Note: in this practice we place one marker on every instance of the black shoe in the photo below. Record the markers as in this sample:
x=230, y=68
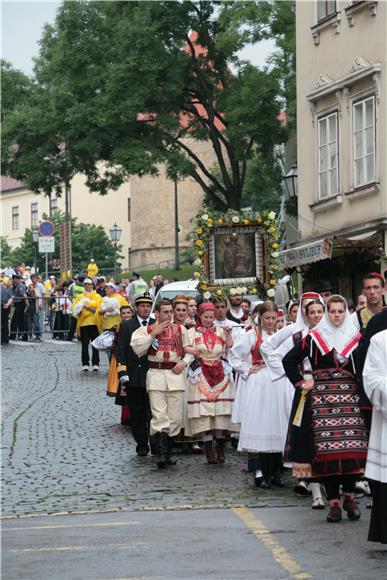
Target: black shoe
x=266, y=483
x=258, y=481
x=142, y=450
x=334, y=515
x=278, y=480
x=352, y=509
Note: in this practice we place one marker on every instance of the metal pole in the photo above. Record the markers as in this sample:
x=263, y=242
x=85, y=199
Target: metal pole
x=115, y=261
x=35, y=266
x=46, y=265
x=177, y=260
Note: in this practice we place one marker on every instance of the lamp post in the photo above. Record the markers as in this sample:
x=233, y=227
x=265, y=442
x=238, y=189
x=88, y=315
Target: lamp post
x=291, y=182
x=115, y=235
x=35, y=239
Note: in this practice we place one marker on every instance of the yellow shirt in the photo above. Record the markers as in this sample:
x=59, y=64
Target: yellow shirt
x=85, y=317
x=92, y=270
x=109, y=321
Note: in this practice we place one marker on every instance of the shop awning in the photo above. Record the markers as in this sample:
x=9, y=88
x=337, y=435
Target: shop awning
x=307, y=253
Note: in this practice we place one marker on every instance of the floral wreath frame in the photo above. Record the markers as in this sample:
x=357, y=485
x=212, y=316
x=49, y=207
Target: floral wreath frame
x=207, y=222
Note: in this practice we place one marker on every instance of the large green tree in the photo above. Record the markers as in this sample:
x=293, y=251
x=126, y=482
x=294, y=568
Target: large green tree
x=121, y=87
x=88, y=241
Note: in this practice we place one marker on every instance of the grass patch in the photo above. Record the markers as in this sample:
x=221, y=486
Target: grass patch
x=184, y=273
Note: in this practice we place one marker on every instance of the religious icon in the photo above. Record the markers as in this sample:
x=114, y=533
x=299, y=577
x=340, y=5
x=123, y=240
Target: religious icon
x=236, y=255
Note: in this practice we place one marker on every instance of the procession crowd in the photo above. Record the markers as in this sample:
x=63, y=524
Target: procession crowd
x=304, y=389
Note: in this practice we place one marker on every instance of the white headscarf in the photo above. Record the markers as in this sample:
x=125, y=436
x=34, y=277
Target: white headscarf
x=344, y=338
x=301, y=323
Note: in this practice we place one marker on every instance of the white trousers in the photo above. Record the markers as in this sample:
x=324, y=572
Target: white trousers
x=167, y=412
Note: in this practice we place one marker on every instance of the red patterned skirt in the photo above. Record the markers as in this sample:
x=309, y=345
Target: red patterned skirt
x=339, y=427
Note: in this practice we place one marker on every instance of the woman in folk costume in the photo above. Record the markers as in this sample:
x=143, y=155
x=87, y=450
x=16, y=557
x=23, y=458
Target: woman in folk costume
x=273, y=351
x=211, y=390
x=264, y=406
x=338, y=427
x=375, y=386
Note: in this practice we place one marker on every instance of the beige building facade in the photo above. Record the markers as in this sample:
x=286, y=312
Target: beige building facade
x=144, y=208
x=341, y=140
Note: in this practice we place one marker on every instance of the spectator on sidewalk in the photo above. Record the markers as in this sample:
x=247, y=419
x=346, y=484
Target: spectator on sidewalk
x=92, y=269
x=18, y=318
x=6, y=301
x=32, y=315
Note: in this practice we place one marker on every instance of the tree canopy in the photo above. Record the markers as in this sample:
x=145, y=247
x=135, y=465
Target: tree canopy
x=121, y=87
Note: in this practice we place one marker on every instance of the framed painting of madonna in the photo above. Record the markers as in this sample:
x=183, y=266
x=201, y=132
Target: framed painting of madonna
x=237, y=255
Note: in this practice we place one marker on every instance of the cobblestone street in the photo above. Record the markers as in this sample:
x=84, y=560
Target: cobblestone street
x=65, y=450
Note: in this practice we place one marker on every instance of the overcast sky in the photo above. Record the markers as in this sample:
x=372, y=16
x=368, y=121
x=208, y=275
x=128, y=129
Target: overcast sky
x=22, y=25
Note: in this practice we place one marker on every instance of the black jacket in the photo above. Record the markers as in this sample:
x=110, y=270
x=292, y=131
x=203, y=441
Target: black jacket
x=136, y=366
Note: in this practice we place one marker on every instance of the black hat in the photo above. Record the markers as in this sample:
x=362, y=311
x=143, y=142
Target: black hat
x=323, y=286
x=143, y=299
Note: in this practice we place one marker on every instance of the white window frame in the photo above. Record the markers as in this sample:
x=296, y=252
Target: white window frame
x=328, y=14
x=53, y=205
x=34, y=214
x=325, y=118
x=356, y=102
x=15, y=218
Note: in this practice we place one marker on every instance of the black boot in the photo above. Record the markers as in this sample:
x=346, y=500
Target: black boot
x=220, y=453
x=265, y=461
x=277, y=478
x=163, y=450
x=170, y=461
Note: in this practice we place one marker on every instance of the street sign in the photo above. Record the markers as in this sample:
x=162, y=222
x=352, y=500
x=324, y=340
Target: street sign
x=65, y=250
x=46, y=245
x=46, y=228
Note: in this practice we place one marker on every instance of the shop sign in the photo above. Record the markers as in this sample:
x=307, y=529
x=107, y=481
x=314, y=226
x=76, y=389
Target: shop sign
x=307, y=254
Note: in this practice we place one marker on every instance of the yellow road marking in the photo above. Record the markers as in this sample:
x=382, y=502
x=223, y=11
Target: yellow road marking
x=58, y=526
x=76, y=548
x=280, y=555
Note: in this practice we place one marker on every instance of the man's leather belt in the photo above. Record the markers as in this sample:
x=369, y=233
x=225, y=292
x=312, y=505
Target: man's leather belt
x=165, y=366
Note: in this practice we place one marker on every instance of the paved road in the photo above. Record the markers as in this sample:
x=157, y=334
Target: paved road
x=64, y=452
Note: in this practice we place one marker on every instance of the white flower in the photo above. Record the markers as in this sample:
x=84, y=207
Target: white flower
x=271, y=293
x=238, y=290
x=244, y=290
x=275, y=254
x=198, y=262
x=235, y=219
x=271, y=215
x=233, y=292
x=207, y=295
x=205, y=217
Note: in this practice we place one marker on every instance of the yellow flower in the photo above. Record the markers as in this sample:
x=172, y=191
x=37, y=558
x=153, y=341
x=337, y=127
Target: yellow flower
x=259, y=220
x=246, y=222
x=272, y=282
x=196, y=274
x=200, y=253
x=272, y=230
x=220, y=222
x=199, y=231
x=275, y=246
x=203, y=287
x=210, y=221
x=199, y=243
x=219, y=292
x=253, y=291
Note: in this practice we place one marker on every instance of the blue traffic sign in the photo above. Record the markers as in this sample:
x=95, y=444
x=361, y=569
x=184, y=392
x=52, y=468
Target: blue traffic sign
x=46, y=228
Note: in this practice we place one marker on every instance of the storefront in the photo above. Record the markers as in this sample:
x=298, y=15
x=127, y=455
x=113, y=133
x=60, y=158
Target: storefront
x=339, y=261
